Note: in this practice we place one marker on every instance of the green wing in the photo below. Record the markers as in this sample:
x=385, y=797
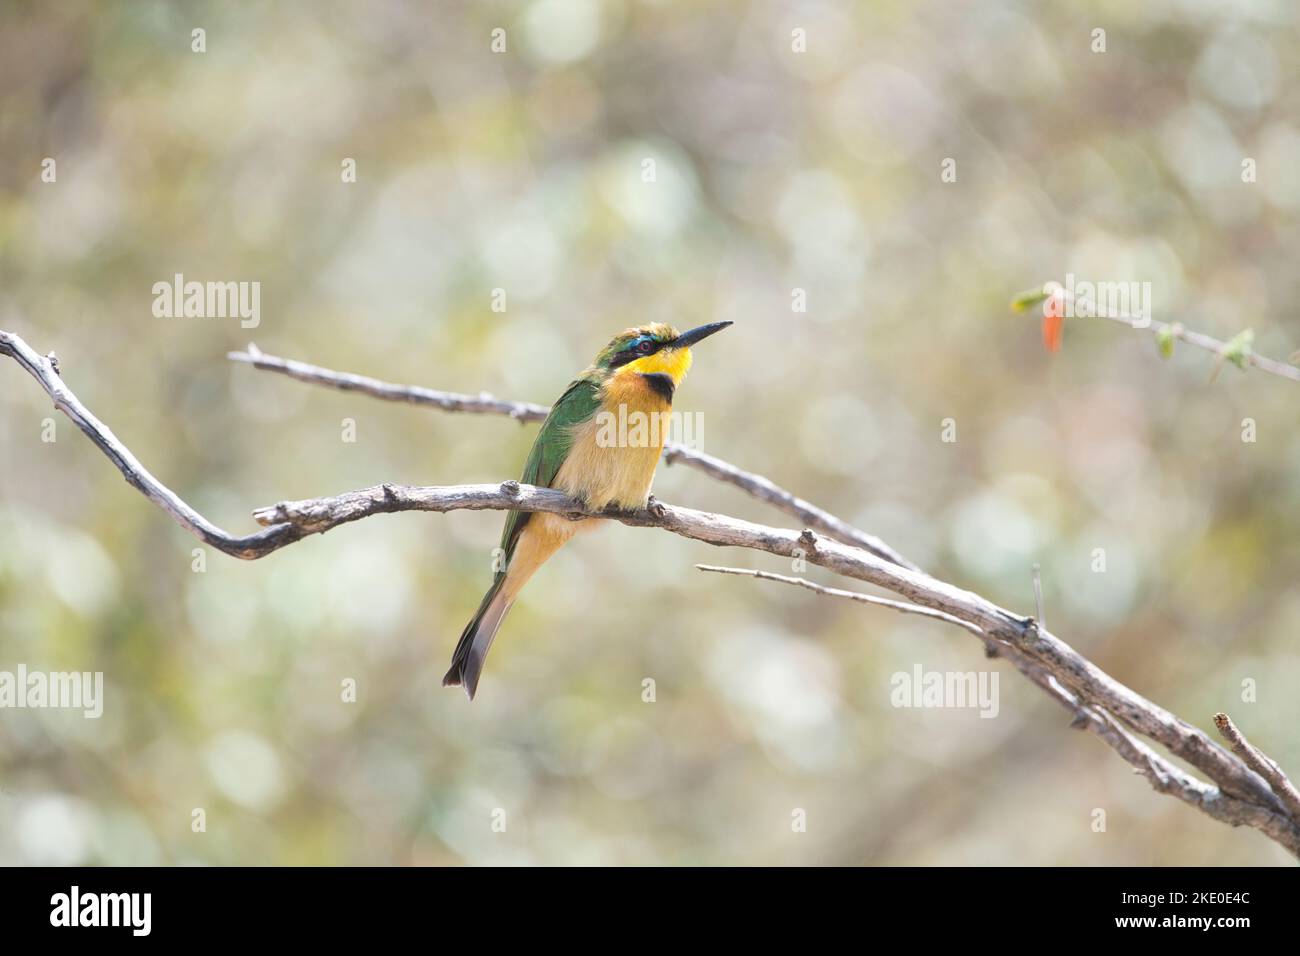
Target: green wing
x=578, y=403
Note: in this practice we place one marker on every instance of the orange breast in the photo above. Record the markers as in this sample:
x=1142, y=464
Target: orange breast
x=613, y=457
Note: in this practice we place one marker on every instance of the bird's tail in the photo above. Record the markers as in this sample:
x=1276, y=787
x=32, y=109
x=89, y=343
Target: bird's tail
x=472, y=648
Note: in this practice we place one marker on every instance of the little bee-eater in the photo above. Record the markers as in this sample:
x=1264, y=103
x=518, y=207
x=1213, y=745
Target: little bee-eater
x=637, y=374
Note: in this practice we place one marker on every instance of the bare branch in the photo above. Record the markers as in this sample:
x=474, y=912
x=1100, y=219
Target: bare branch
x=1241, y=795
x=1076, y=672
x=1261, y=763
x=45, y=370
x=1164, y=776
x=485, y=404
x=1167, y=778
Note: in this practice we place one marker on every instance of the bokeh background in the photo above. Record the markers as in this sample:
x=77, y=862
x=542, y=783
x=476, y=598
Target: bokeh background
x=775, y=170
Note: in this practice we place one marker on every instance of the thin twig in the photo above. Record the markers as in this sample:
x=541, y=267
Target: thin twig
x=1038, y=595
x=1168, y=331
x=481, y=404
x=1261, y=763
x=485, y=404
x=1209, y=344
x=850, y=595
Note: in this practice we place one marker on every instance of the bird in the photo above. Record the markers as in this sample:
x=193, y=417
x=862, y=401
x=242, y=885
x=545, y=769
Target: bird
x=581, y=451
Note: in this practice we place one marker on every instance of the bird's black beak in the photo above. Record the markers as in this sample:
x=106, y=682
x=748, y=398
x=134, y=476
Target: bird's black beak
x=687, y=339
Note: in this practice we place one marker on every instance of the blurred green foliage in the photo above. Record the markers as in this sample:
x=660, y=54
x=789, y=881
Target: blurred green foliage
x=775, y=171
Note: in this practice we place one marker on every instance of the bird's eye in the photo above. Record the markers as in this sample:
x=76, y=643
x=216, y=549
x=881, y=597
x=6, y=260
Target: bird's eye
x=645, y=347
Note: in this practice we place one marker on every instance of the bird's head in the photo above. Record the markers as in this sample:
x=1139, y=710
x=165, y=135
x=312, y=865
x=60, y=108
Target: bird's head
x=655, y=349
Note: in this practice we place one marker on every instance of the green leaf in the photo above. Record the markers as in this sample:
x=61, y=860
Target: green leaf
x=1238, y=349
x=1029, y=298
x=1165, y=341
